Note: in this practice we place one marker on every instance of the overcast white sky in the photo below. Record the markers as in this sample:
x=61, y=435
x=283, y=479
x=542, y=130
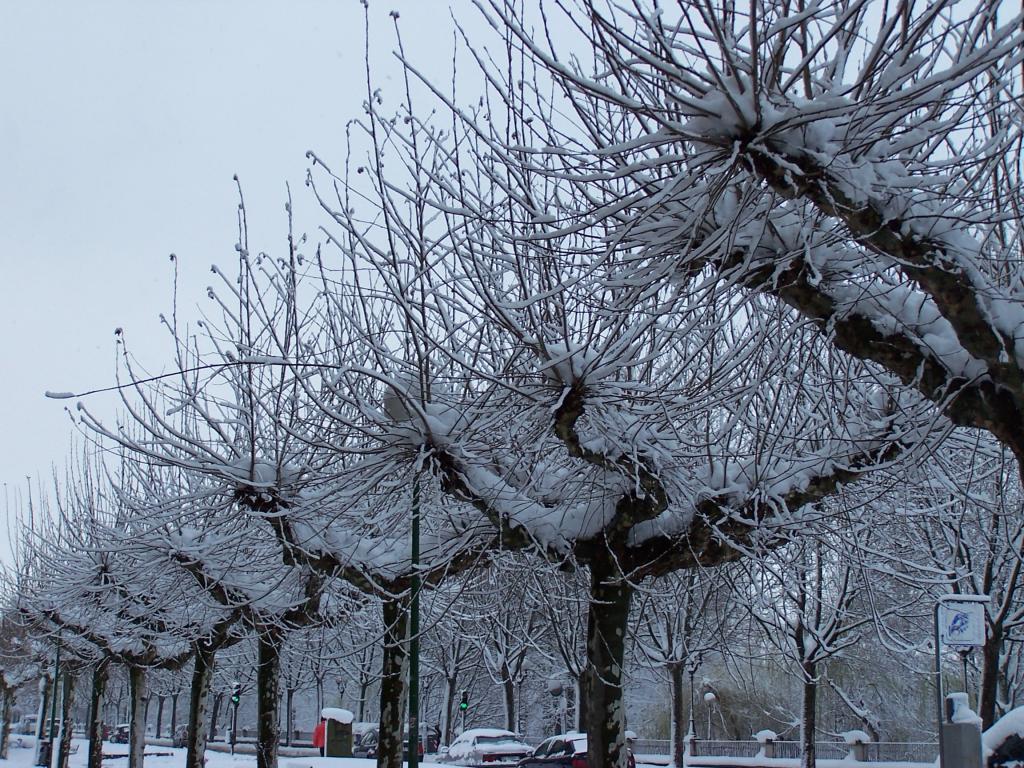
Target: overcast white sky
x=121, y=126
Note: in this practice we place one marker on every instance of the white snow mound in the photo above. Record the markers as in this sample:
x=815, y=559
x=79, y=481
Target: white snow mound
x=337, y=714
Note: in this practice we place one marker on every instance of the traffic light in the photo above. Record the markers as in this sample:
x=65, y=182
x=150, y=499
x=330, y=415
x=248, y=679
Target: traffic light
x=236, y=690
x=464, y=704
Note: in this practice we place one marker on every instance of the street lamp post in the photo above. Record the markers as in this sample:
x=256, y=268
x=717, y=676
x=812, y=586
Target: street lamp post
x=692, y=668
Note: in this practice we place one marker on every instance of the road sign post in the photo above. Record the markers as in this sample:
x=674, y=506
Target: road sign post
x=959, y=624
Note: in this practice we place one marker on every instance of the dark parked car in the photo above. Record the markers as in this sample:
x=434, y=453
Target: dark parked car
x=567, y=750
x=119, y=734
x=366, y=746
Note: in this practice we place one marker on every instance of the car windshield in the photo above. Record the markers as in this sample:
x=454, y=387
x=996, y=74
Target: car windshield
x=504, y=739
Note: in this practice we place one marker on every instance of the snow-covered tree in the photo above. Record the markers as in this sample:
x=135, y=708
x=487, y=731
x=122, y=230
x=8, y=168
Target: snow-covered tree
x=858, y=162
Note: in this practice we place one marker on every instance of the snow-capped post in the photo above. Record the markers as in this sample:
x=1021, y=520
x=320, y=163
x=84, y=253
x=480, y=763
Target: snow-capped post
x=857, y=741
x=959, y=623
x=766, y=739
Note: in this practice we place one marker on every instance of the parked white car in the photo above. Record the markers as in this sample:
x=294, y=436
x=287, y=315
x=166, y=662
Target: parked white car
x=481, y=746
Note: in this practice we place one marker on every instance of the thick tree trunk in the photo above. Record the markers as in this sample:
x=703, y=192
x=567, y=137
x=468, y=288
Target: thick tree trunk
x=214, y=711
x=364, y=687
x=990, y=653
x=579, y=702
x=41, y=715
x=100, y=675
x=174, y=714
x=199, y=695
x=289, y=698
x=392, y=683
x=5, y=720
x=268, y=672
x=510, y=700
x=66, y=726
x=137, y=718
x=678, y=724
x=450, y=684
x=160, y=716
x=808, y=716
x=607, y=622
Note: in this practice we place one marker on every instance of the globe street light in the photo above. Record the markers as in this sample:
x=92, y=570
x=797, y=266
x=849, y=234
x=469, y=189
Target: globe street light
x=709, y=699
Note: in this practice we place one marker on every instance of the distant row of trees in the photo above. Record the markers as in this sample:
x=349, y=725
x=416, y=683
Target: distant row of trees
x=731, y=293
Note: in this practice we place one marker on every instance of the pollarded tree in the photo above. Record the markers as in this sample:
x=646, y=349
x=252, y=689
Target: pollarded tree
x=859, y=162
x=108, y=607
x=634, y=432
x=18, y=666
x=220, y=442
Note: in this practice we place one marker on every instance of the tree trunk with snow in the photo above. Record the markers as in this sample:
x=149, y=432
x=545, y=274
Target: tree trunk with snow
x=364, y=688
x=160, y=716
x=100, y=675
x=199, y=695
x=66, y=726
x=214, y=711
x=174, y=713
x=607, y=622
x=450, y=684
x=392, y=683
x=808, y=715
x=289, y=698
x=268, y=672
x=5, y=720
x=990, y=657
x=41, y=713
x=137, y=719
x=678, y=719
x=509, y=689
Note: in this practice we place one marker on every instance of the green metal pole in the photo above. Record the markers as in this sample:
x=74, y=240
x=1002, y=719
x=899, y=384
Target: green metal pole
x=414, y=632
x=938, y=689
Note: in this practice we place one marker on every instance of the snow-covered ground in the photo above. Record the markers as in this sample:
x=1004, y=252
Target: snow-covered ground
x=169, y=757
